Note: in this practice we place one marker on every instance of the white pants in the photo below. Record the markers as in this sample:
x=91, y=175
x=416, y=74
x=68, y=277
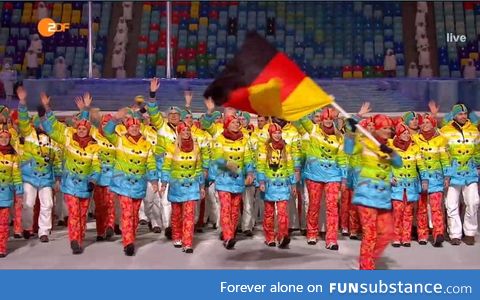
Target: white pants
x=248, y=216
x=470, y=222
x=61, y=209
x=152, y=209
x=295, y=221
x=212, y=206
x=141, y=212
x=46, y=204
x=258, y=206
x=165, y=209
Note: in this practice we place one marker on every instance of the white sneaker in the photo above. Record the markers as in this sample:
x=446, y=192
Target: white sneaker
x=177, y=244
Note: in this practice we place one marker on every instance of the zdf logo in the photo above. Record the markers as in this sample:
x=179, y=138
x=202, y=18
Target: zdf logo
x=47, y=27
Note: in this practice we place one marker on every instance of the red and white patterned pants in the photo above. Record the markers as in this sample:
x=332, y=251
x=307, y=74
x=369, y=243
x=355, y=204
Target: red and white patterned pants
x=4, y=230
x=377, y=228
x=403, y=219
x=104, y=208
x=183, y=222
x=438, y=219
x=130, y=219
x=315, y=193
x=269, y=220
x=230, y=204
x=77, y=217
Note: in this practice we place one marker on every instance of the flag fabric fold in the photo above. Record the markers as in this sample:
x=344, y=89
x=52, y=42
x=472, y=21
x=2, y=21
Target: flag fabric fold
x=264, y=81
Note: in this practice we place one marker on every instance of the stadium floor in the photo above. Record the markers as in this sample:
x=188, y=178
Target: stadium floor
x=155, y=252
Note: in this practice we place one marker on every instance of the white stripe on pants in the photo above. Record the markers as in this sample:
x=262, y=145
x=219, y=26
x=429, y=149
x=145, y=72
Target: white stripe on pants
x=248, y=216
x=46, y=204
x=152, y=209
x=470, y=222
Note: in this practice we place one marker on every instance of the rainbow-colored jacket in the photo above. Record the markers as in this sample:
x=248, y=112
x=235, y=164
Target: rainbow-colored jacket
x=238, y=152
x=463, y=147
x=134, y=163
x=106, y=155
x=325, y=158
x=435, y=159
x=10, y=178
x=374, y=180
x=407, y=176
x=80, y=165
x=40, y=159
x=278, y=180
x=183, y=172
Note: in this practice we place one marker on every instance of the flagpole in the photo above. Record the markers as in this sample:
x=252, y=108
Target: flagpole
x=362, y=130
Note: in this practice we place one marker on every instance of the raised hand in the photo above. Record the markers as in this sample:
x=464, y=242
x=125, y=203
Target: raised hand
x=80, y=103
x=45, y=100
x=22, y=95
x=210, y=105
x=87, y=99
x=154, y=84
x=434, y=107
x=364, y=109
x=121, y=113
x=188, y=98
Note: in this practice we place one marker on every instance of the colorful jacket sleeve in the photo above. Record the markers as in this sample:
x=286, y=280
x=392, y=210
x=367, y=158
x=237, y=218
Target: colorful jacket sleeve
x=218, y=156
x=24, y=125
x=419, y=161
x=342, y=160
x=55, y=129
x=307, y=124
x=155, y=115
x=248, y=160
x=152, y=174
x=199, y=171
x=167, y=166
x=208, y=123
x=96, y=169
x=261, y=162
x=17, y=176
x=57, y=161
x=110, y=134
x=296, y=151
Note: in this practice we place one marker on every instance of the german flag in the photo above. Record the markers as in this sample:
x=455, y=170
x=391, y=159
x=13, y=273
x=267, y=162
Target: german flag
x=264, y=81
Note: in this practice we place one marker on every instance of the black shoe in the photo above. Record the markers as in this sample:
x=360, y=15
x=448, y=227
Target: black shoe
x=345, y=233
x=284, y=243
x=239, y=230
x=422, y=242
x=109, y=233
x=26, y=234
x=168, y=233
x=143, y=222
x=214, y=226
x=60, y=223
x=396, y=244
x=332, y=246
x=229, y=244
x=220, y=236
x=117, y=230
x=303, y=232
x=157, y=229
x=312, y=242
x=76, y=249
x=17, y=236
x=354, y=237
x=91, y=215
x=414, y=233
x=129, y=250
x=248, y=233
x=406, y=245
x=2, y=255
x=100, y=238
x=455, y=242
x=188, y=250
x=270, y=244
x=437, y=243
x=44, y=239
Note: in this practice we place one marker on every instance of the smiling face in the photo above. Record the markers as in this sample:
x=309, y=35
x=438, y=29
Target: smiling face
x=234, y=126
x=384, y=132
x=186, y=133
x=174, y=118
x=461, y=118
x=276, y=136
x=317, y=118
x=327, y=122
x=261, y=121
x=4, y=139
x=427, y=125
x=405, y=136
x=134, y=130
x=413, y=124
x=82, y=131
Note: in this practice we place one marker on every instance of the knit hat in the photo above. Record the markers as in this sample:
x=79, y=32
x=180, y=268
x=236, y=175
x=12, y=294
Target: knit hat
x=184, y=113
x=229, y=120
x=327, y=113
x=84, y=123
x=458, y=108
x=409, y=116
x=364, y=122
x=431, y=118
x=381, y=121
x=274, y=128
x=131, y=121
x=181, y=126
x=400, y=128
x=174, y=110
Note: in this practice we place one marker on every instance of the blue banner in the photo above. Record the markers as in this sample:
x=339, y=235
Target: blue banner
x=240, y=284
